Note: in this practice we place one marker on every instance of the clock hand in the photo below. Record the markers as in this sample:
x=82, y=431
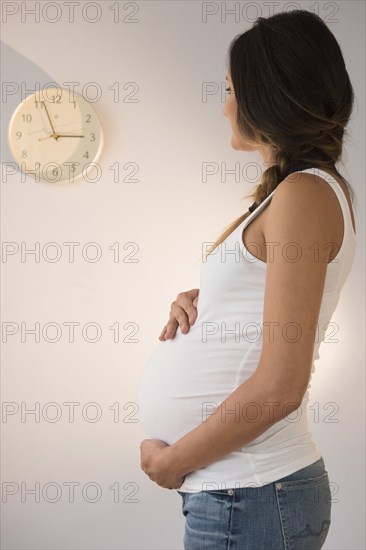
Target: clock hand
x=53, y=130
x=51, y=135
x=68, y=135
x=59, y=135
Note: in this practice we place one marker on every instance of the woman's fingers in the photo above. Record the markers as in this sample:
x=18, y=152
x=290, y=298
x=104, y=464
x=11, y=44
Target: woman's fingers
x=177, y=318
x=169, y=330
x=185, y=301
x=183, y=313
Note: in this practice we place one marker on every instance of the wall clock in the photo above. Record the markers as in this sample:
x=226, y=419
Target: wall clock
x=54, y=134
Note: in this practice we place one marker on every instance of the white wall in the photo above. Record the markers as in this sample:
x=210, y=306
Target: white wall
x=169, y=52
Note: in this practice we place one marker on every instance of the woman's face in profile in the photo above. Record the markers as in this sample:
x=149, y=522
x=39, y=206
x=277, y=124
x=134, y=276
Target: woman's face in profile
x=237, y=139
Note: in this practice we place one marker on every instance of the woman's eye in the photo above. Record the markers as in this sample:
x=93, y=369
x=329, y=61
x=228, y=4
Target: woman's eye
x=228, y=89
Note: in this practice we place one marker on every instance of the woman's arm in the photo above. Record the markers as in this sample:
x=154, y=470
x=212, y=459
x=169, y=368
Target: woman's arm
x=300, y=235
x=248, y=412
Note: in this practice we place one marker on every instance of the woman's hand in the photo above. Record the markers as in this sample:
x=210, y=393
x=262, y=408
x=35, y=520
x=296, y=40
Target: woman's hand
x=157, y=464
x=183, y=312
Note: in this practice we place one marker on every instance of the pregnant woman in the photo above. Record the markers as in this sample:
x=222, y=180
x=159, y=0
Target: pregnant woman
x=224, y=403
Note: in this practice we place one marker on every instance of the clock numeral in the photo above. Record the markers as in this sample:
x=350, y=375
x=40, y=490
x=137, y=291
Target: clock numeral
x=38, y=103
x=24, y=154
x=92, y=138
x=19, y=134
x=86, y=155
x=56, y=99
x=88, y=119
x=55, y=171
x=73, y=167
x=27, y=118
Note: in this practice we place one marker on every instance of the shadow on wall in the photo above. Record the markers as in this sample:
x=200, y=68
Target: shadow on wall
x=20, y=78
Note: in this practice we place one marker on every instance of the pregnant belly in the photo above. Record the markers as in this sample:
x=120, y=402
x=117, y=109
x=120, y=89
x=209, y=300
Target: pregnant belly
x=183, y=382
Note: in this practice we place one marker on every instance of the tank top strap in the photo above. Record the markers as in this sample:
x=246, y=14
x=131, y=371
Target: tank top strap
x=255, y=211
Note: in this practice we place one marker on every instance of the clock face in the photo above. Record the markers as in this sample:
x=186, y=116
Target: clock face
x=54, y=135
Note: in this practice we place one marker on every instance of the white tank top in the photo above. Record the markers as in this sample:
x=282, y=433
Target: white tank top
x=187, y=377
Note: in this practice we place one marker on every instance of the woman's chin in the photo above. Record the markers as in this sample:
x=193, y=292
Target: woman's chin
x=239, y=145
x=234, y=143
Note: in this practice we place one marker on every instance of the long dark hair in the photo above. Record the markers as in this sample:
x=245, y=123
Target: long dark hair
x=293, y=94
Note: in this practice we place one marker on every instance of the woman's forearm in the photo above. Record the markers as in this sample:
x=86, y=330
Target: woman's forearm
x=248, y=412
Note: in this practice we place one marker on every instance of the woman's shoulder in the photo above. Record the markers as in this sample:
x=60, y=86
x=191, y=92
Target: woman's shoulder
x=304, y=205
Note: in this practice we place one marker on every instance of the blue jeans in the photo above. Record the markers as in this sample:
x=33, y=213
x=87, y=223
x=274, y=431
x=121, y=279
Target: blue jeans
x=292, y=513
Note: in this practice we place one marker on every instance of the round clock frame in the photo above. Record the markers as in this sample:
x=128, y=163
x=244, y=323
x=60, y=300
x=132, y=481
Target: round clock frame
x=55, y=136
